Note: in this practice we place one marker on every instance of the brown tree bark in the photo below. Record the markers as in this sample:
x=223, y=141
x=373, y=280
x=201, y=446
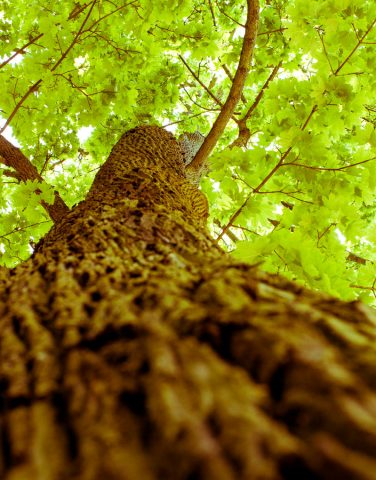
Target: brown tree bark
x=132, y=347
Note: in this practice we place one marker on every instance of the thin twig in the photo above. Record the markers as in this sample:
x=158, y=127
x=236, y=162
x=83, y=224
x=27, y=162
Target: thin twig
x=20, y=229
x=360, y=41
x=109, y=14
x=321, y=235
x=36, y=85
x=325, y=51
x=193, y=37
x=366, y=288
x=247, y=230
x=228, y=16
x=338, y=169
x=212, y=13
x=119, y=50
x=271, y=192
x=261, y=92
x=272, y=31
x=20, y=50
x=184, y=119
x=308, y=119
x=352, y=73
x=32, y=89
x=198, y=105
x=198, y=80
x=77, y=10
x=74, y=41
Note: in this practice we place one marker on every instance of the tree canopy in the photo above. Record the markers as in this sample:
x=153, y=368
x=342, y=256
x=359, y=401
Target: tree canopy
x=292, y=178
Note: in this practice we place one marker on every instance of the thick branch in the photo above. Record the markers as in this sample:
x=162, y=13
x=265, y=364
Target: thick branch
x=236, y=88
x=12, y=156
x=24, y=170
x=230, y=76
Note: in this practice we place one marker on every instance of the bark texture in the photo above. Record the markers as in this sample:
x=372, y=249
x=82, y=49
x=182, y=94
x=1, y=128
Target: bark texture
x=132, y=347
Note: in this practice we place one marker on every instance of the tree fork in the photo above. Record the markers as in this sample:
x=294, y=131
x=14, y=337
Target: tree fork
x=133, y=347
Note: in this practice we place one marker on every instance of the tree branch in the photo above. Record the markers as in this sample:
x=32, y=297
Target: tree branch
x=198, y=105
x=21, y=50
x=244, y=131
x=212, y=13
x=279, y=164
x=32, y=89
x=261, y=92
x=20, y=229
x=322, y=234
x=321, y=37
x=74, y=41
x=230, y=76
x=228, y=16
x=81, y=30
x=77, y=10
x=272, y=31
x=197, y=78
x=36, y=85
x=108, y=14
x=12, y=157
x=360, y=41
x=236, y=88
x=325, y=169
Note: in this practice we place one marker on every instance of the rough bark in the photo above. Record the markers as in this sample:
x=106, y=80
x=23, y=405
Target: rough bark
x=132, y=347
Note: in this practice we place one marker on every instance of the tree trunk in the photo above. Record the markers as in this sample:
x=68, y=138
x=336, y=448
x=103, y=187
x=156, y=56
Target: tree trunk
x=132, y=347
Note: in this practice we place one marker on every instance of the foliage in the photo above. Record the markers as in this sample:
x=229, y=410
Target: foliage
x=299, y=198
